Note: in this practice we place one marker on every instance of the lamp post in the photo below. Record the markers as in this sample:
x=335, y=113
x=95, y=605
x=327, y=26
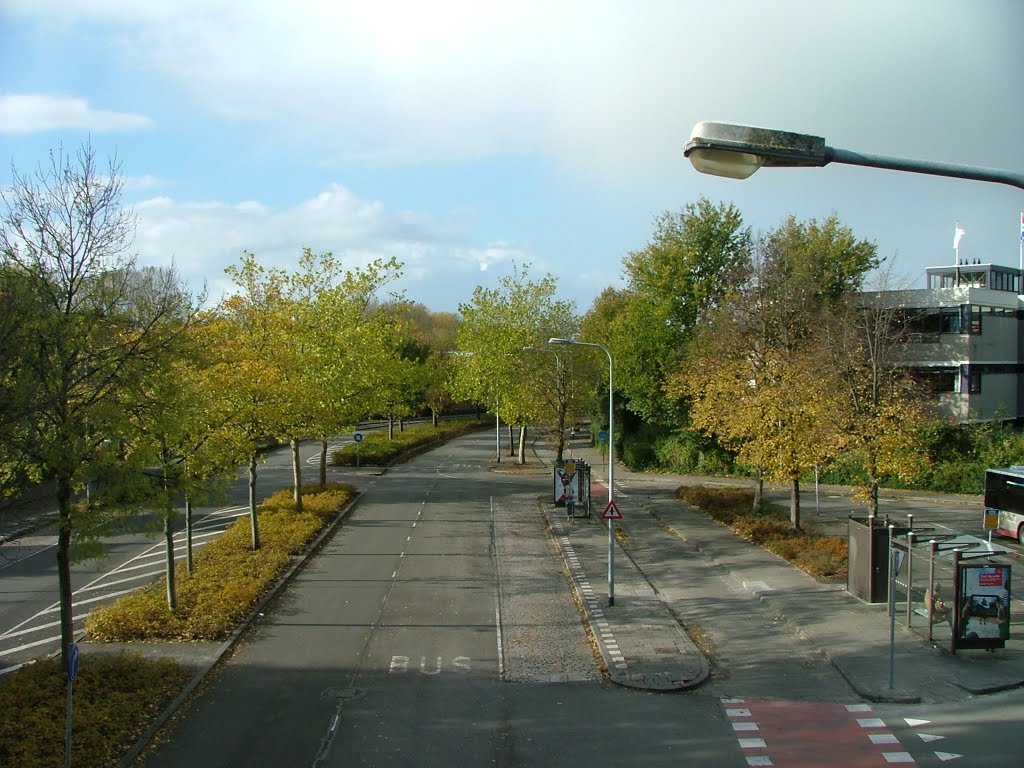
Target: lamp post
x=611, y=456
x=737, y=151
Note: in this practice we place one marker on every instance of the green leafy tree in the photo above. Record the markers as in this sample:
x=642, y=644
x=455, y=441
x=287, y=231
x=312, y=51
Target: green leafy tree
x=249, y=335
x=496, y=325
x=100, y=330
x=348, y=340
x=693, y=258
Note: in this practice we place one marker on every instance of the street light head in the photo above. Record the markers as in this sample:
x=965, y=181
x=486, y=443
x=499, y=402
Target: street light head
x=737, y=151
x=557, y=340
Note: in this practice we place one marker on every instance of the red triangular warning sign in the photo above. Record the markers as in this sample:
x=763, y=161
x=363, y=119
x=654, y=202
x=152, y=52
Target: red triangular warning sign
x=611, y=512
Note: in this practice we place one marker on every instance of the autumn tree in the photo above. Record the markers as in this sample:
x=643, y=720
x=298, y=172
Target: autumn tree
x=880, y=410
x=754, y=376
x=99, y=330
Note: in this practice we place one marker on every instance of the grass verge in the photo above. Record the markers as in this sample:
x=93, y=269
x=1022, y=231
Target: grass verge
x=823, y=557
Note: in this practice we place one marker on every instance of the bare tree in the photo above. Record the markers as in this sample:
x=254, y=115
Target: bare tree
x=881, y=407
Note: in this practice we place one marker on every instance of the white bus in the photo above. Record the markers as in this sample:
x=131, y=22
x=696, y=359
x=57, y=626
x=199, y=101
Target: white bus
x=1004, y=499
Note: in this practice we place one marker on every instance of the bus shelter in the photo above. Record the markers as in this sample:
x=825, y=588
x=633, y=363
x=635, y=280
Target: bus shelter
x=571, y=486
x=958, y=586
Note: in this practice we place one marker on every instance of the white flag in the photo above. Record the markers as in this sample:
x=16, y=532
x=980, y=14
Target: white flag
x=957, y=235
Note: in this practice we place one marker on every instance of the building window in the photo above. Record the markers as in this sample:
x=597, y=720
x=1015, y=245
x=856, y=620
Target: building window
x=974, y=381
x=938, y=380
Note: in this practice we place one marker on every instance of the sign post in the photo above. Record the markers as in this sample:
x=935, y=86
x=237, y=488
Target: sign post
x=73, y=659
x=611, y=514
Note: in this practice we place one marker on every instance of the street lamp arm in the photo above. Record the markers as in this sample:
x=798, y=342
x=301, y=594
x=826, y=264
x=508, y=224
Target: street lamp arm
x=994, y=175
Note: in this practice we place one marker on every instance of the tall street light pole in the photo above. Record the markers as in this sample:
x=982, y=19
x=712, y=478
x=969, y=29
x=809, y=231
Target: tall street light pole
x=737, y=151
x=611, y=456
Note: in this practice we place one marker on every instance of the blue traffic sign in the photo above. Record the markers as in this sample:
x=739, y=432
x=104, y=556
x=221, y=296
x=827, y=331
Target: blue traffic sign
x=358, y=437
x=602, y=435
x=73, y=657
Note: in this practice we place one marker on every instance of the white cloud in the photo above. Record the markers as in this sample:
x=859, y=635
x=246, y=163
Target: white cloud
x=605, y=86
x=493, y=253
x=204, y=237
x=38, y=112
x=138, y=183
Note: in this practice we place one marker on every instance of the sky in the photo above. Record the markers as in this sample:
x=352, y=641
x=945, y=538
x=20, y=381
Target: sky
x=465, y=136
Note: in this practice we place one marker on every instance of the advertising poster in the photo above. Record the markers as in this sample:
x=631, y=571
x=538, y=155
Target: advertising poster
x=984, y=616
x=566, y=484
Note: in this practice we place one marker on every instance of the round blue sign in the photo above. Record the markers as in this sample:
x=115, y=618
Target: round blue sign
x=603, y=435
x=358, y=437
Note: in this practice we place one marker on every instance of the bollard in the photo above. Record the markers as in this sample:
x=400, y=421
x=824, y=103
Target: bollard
x=892, y=612
x=932, y=546
x=891, y=597
x=910, y=574
x=871, y=558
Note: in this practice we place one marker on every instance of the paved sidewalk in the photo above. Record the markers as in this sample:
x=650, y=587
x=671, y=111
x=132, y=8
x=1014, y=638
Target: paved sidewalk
x=642, y=643
x=674, y=551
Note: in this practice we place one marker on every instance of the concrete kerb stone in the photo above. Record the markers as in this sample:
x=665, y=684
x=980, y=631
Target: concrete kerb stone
x=225, y=648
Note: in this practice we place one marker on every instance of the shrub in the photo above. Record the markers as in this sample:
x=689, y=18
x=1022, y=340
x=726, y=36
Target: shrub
x=377, y=450
x=115, y=698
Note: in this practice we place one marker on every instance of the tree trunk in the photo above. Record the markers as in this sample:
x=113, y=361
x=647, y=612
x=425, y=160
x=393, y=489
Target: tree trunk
x=188, y=534
x=391, y=427
x=433, y=417
x=254, y=522
x=758, y=487
x=67, y=632
x=172, y=588
x=323, y=463
x=873, y=497
x=511, y=441
x=794, y=503
x=296, y=475
x=522, y=445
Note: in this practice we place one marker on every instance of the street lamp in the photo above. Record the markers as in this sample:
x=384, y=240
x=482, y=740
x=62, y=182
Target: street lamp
x=737, y=151
x=611, y=457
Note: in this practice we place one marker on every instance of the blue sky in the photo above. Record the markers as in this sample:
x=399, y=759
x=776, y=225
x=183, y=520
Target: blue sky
x=459, y=136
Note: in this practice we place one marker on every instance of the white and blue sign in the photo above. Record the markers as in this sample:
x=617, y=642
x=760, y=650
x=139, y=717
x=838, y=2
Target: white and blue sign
x=602, y=435
x=74, y=655
x=358, y=437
